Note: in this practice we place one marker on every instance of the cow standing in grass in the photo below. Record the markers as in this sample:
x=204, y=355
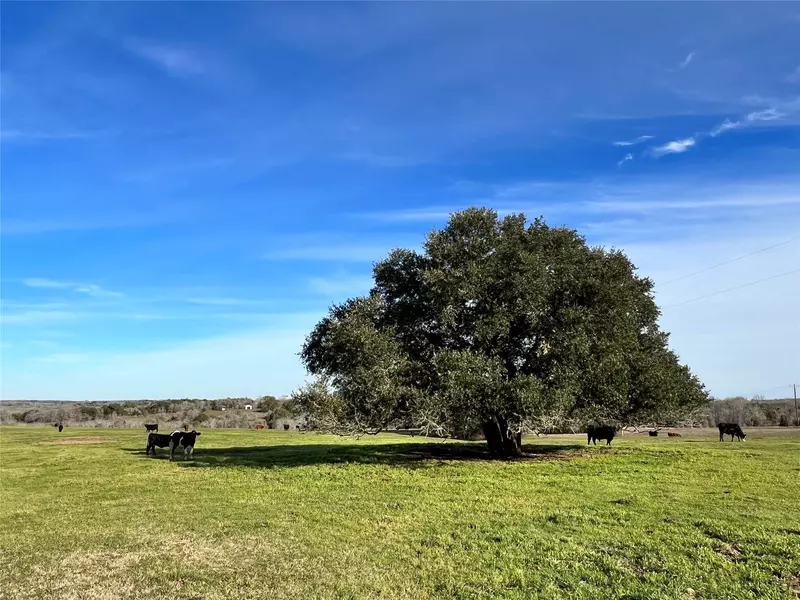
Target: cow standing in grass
x=151, y=426
x=601, y=432
x=176, y=438
x=731, y=429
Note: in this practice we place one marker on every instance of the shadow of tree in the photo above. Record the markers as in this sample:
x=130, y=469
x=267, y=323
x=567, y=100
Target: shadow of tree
x=412, y=455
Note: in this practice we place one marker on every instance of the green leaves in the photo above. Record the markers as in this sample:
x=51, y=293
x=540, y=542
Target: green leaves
x=498, y=325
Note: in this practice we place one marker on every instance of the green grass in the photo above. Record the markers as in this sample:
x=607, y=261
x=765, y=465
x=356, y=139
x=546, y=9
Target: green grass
x=261, y=514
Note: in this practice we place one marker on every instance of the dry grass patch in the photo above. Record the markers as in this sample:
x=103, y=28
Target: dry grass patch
x=86, y=441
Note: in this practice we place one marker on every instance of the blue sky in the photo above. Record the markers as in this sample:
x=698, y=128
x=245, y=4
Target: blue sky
x=187, y=187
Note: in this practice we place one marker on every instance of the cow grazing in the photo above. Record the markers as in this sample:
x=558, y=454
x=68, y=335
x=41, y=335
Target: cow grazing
x=259, y=427
x=674, y=434
x=151, y=426
x=601, y=432
x=731, y=429
x=652, y=433
x=176, y=438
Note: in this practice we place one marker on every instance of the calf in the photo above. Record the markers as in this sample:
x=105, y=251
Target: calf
x=652, y=433
x=731, y=429
x=173, y=440
x=601, y=432
x=151, y=426
x=185, y=439
x=673, y=434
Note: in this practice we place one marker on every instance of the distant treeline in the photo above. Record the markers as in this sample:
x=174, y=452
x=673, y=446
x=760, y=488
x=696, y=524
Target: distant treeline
x=756, y=412
x=275, y=412
x=226, y=412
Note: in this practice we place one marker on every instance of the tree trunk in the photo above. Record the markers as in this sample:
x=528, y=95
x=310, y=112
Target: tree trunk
x=502, y=442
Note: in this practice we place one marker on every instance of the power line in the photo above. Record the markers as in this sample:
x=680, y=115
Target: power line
x=727, y=262
x=733, y=288
x=777, y=387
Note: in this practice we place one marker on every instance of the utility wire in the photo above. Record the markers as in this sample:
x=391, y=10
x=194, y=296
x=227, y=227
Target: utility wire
x=734, y=288
x=777, y=387
x=727, y=262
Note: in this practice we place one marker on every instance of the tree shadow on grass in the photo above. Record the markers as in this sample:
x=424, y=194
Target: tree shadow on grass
x=410, y=455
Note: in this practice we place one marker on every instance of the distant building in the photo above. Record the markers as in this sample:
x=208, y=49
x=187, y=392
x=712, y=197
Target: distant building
x=248, y=407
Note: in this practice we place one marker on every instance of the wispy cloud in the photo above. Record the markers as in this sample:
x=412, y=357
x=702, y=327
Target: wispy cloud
x=341, y=252
x=411, y=215
x=36, y=317
x=38, y=226
x=22, y=135
x=220, y=301
x=625, y=159
x=90, y=289
x=638, y=140
x=619, y=201
x=679, y=146
x=769, y=114
x=348, y=285
x=726, y=125
x=64, y=358
x=686, y=61
x=794, y=76
x=232, y=364
x=674, y=147
x=171, y=59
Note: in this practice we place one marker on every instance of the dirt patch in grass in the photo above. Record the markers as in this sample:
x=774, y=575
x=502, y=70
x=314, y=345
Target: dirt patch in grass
x=729, y=551
x=78, y=442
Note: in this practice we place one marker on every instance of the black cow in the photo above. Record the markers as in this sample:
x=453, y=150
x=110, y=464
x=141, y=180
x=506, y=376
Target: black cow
x=151, y=426
x=60, y=428
x=652, y=433
x=176, y=438
x=601, y=432
x=731, y=429
x=157, y=440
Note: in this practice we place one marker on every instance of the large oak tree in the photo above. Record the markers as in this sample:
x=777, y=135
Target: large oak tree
x=499, y=326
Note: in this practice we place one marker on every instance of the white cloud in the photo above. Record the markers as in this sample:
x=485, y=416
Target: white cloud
x=341, y=285
x=625, y=159
x=17, y=135
x=64, y=358
x=36, y=317
x=221, y=301
x=334, y=251
x=39, y=226
x=90, y=289
x=678, y=146
x=726, y=125
x=639, y=140
x=686, y=61
x=171, y=59
x=675, y=147
x=240, y=364
x=769, y=114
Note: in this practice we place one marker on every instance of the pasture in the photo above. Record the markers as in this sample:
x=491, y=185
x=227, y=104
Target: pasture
x=260, y=514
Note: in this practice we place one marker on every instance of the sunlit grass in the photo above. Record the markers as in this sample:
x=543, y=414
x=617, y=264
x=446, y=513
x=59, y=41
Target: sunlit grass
x=263, y=514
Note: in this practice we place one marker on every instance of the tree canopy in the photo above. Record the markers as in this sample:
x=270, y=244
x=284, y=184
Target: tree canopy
x=498, y=326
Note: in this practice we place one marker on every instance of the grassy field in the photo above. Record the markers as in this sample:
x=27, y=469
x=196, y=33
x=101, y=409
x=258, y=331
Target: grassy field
x=259, y=514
